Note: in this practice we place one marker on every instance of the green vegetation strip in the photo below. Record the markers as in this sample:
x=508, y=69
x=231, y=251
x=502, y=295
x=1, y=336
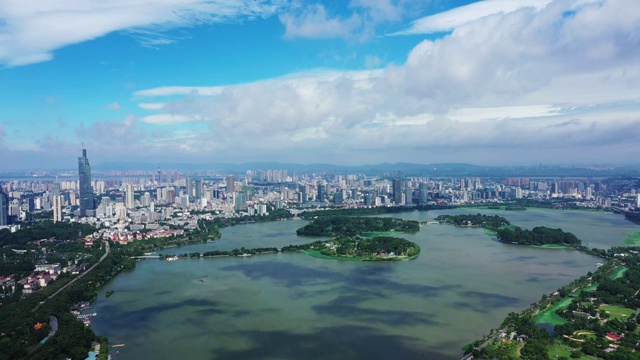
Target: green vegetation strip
x=618, y=312
x=618, y=273
x=549, y=316
x=558, y=350
x=633, y=238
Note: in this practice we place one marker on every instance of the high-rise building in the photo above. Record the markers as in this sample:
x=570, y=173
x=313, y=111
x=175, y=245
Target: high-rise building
x=397, y=191
x=4, y=208
x=189, y=187
x=57, y=203
x=87, y=202
x=423, y=189
x=321, y=193
x=197, y=184
x=241, y=201
x=231, y=186
x=130, y=197
x=408, y=196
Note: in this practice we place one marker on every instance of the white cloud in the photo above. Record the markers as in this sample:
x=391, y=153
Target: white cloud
x=32, y=30
x=449, y=20
x=180, y=90
x=166, y=119
x=359, y=21
x=518, y=80
x=152, y=106
x=314, y=22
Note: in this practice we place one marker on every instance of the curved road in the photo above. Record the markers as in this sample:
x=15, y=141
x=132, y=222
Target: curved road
x=81, y=275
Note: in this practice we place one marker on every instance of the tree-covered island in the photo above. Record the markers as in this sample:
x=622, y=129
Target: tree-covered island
x=349, y=244
x=359, y=248
x=539, y=235
x=492, y=223
x=352, y=226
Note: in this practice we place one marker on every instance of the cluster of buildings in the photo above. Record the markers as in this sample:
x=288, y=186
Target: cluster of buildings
x=137, y=197
x=40, y=278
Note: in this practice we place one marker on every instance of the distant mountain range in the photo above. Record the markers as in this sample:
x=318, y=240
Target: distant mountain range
x=386, y=169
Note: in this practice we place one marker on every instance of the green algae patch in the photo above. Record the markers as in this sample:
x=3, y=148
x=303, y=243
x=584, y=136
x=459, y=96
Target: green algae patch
x=618, y=273
x=550, y=315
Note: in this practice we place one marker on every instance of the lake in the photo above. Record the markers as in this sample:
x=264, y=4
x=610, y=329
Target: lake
x=292, y=306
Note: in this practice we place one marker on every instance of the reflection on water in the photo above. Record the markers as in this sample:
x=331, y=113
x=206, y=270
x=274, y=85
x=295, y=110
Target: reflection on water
x=291, y=306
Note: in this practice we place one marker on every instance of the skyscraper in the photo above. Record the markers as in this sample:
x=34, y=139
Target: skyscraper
x=197, y=184
x=397, y=191
x=86, y=191
x=130, y=197
x=57, y=203
x=231, y=186
x=189, y=188
x=4, y=208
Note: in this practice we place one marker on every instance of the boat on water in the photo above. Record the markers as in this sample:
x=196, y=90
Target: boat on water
x=172, y=258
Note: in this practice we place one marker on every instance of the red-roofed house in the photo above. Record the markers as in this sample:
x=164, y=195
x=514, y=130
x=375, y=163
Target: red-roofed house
x=613, y=337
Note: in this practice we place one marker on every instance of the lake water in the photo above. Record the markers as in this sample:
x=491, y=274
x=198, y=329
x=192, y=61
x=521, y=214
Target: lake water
x=292, y=306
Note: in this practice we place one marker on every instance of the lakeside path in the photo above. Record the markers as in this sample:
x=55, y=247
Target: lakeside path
x=106, y=253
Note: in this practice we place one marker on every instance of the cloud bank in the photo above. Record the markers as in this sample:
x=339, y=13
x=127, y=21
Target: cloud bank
x=552, y=78
x=31, y=30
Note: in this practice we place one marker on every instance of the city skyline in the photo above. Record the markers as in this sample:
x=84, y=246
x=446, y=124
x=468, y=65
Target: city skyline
x=362, y=82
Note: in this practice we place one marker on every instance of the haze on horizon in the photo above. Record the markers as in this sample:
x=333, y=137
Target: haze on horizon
x=490, y=82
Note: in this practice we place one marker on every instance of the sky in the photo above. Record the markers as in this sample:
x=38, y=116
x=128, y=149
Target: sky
x=492, y=82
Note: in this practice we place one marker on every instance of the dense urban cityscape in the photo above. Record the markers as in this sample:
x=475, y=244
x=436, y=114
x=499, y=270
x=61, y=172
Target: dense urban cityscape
x=134, y=209
x=344, y=180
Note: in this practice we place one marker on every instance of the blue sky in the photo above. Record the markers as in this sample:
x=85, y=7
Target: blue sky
x=348, y=82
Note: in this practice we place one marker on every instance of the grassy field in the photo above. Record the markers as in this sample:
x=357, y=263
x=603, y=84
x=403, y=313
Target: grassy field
x=633, y=238
x=549, y=316
x=618, y=273
x=618, y=312
x=557, y=350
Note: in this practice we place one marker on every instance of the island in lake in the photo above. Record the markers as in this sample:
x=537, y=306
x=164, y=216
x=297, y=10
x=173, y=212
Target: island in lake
x=359, y=238
x=352, y=226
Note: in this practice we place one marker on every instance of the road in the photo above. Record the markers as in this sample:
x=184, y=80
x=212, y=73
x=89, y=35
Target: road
x=106, y=253
x=484, y=345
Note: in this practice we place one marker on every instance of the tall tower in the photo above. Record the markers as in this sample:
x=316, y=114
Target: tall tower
x=4, y=208
x=397, y=191
x=197, y=184
x=130, y=197
x=189, y=188
x=231, y=186
x=86, y=191
x=57, y=203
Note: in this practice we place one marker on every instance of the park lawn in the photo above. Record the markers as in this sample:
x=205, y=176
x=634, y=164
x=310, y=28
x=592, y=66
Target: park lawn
x=633, y=238
x=591, y=287
x=618, y=273
x=557, y=350
x=618, y=312
x=549, y=316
